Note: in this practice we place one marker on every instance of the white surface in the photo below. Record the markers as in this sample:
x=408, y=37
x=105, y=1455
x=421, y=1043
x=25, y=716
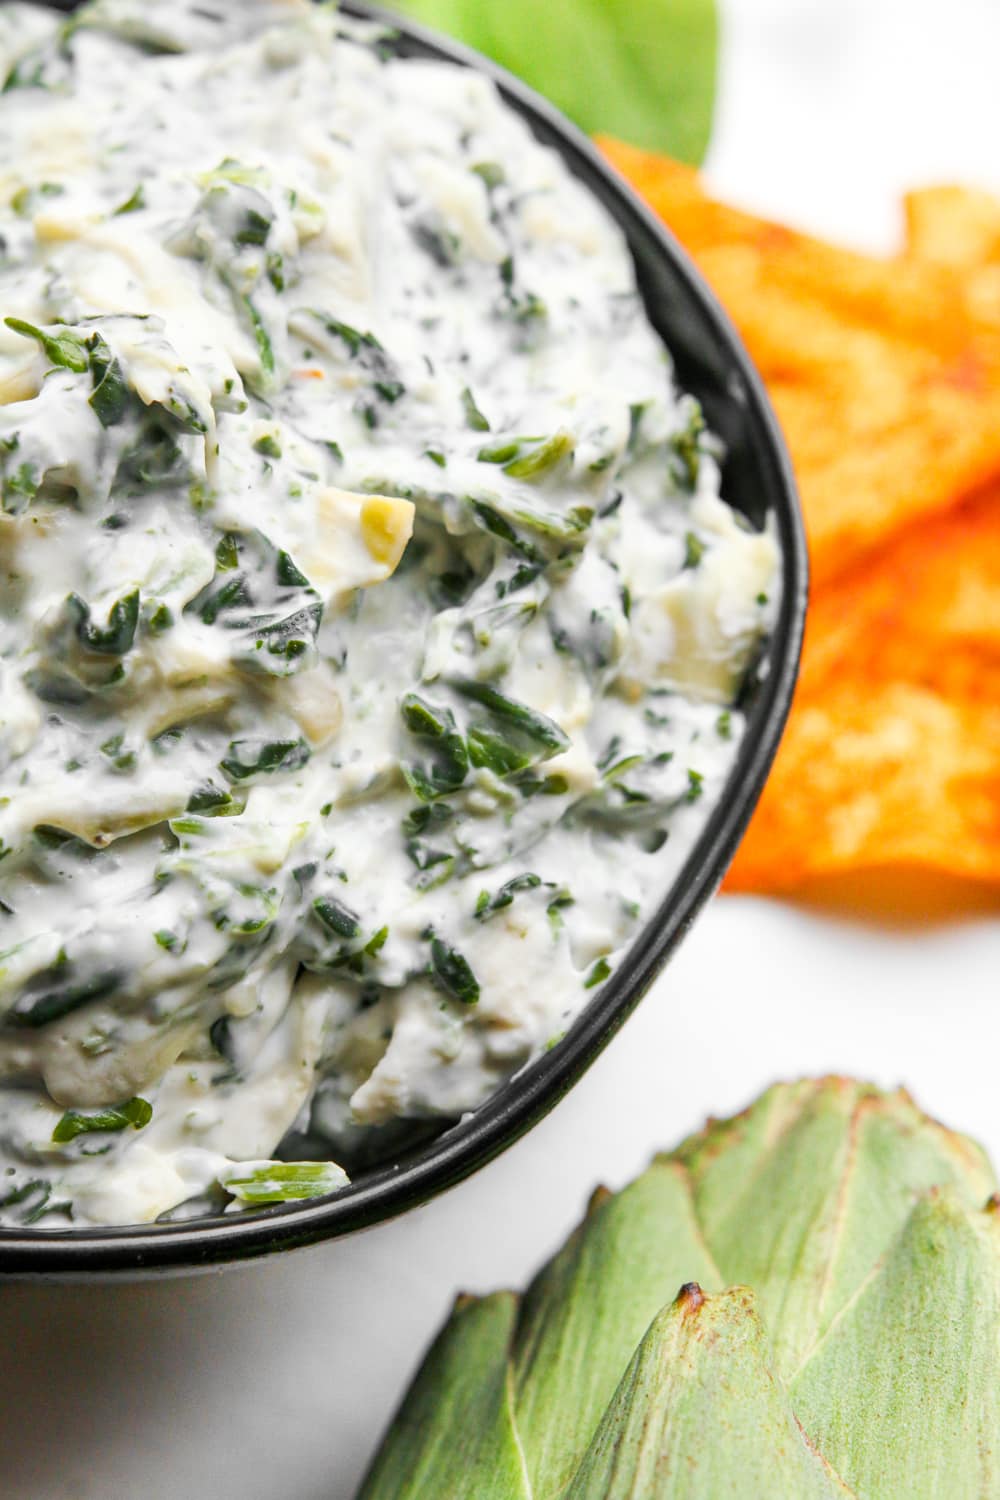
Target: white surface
x=275, y=1380
x=830, y=109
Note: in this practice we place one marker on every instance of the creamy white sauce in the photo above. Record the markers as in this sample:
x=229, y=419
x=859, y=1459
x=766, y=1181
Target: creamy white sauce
x=370, y=620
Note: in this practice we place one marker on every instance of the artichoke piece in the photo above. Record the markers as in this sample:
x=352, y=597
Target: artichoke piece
x=699, y=1414
x=838, y=1167
x=836, y=1332
x=454, y=1434
x=581, y=1313
x=358, y=540
x=916, y=1355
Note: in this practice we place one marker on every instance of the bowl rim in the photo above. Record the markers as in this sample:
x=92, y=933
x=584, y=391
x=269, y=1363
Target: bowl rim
x=390, y=1190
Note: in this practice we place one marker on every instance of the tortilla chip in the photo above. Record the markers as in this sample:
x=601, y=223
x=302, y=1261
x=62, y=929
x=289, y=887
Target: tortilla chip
x=875, y=775
x=885, y=379
x=953, y=226
x=960, y=228
x=917, y=301
x=926, y=609
x=892, y=752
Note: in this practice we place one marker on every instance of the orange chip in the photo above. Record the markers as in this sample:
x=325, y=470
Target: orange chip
x=926, y=609
x=915, y=300
x=953, y=226
x=885, y=378
x=876, y=775
x=960, y=228
x=892, y=753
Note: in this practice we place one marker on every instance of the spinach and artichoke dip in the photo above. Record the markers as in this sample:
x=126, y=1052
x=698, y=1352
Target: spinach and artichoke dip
x=370, y=619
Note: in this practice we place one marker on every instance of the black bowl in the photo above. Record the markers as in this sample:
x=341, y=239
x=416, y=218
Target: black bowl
x=757, y=479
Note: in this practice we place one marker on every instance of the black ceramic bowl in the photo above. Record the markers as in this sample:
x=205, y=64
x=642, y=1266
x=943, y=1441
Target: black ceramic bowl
x=757, y=480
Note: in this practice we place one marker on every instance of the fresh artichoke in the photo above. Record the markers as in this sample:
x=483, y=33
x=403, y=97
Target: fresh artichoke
x=836, y=1332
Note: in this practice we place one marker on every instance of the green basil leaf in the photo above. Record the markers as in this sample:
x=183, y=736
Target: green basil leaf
x=641, y=69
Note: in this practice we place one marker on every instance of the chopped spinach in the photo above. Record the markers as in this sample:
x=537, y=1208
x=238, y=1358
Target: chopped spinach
x=473, y=416
x=135, y=1112
x=694, y=550
x=535, y=462
x=64, y=348
x=598, y=974
x=487, y=905
x=110, y=396
x=516, y=718
x=453, y=972
x=255, y=757
x=436, y=731
x=117, y=637
x=59, y=990
x=283, y=1181
x=686, y=448
x=336, y=917
x=135, y=201
x=260, y=595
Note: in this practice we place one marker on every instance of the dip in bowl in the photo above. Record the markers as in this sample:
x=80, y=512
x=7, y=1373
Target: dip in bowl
x=394, y=635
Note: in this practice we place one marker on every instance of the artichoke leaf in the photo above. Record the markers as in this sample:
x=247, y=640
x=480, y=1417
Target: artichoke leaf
x=918, y=1348
x=833, y=1167
x=454, y=1433
x=700, y=1415
x=862, y=1363
x=582, y=1318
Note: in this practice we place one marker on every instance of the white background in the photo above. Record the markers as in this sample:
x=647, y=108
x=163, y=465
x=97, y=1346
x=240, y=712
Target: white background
x=275, y=1380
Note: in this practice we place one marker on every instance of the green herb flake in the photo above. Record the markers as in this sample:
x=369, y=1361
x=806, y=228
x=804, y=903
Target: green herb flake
x=542, y=459
x=252, y=757
x=377, y=942
x=491, y=172
x=65, y=349
x=117, y=637
x=598, y=974
x=133, y=203
x=453, y=972
x=473, y=416
x=694, y=550
x=110, y=395
x=336, y=917
x=135, y=1112
x=259, y=1183
x=487, y=905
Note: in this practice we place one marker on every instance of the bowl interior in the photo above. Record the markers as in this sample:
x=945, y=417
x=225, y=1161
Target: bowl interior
x=711, y=364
